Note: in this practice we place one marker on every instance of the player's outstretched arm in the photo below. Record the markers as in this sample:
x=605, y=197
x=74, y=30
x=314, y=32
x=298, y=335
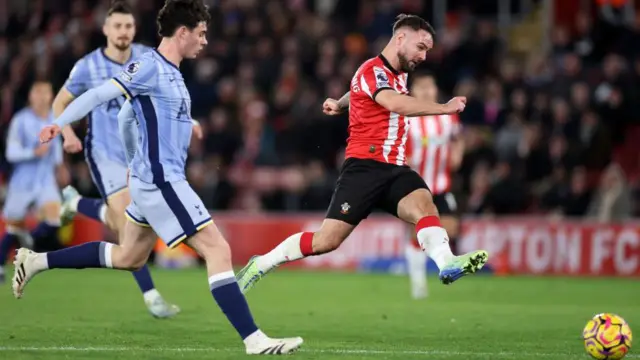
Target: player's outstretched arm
x=128, y=130
x=410, y=106
x=72, y=143
x=336, y=107
x=79, y=108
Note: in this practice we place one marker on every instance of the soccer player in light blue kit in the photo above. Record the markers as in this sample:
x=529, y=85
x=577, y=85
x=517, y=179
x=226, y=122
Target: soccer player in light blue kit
x=104, y=151
x=163, y=203
x=33, y=180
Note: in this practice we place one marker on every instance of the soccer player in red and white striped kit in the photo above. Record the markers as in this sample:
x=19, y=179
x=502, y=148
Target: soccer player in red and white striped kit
x=375, y=174
x=434, y=150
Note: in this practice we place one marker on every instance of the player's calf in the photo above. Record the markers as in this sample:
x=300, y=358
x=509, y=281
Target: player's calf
x=210, y=244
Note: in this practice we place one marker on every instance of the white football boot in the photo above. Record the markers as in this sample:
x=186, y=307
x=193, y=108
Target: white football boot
x=27, y=264
x=70, y=196
x=269, y=346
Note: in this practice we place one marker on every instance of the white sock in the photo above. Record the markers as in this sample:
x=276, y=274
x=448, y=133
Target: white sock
x=417, y=269
x=435, y=242
x=103, y=214
x=288, y=250
x=151, y=295
x=40, y=261
x=416, y=262
x=73, y=203
x=256, y=338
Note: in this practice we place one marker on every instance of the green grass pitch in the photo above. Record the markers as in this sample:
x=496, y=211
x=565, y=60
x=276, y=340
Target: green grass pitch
x=98, y=314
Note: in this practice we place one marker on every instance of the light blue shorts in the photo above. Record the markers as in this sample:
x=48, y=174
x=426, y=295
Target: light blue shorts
x=173, y=210
x=108, y=175
x=18, y=201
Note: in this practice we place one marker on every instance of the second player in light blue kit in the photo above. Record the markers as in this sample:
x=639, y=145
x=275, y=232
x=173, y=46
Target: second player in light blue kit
x=33, y=179
x=163, y=204
x=103, y=148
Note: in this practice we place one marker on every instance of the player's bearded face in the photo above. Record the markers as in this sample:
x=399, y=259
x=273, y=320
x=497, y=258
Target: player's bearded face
x=120, y=30
x=413, y=48
x=194, y=40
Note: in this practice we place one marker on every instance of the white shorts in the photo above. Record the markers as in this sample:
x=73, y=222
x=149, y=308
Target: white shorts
x=173, y=217
x=17, y=203
x=108, y=175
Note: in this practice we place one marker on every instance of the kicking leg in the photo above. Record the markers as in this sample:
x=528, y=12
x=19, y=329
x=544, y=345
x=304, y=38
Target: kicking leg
x=297, y=246
x=210, y=244
x=130, y=255
x=418, y=208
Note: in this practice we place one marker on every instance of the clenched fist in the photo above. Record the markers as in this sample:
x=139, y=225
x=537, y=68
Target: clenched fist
x=49, y=132
x=456, y=105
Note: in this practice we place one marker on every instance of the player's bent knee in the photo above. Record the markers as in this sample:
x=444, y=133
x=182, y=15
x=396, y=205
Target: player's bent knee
x=211, y=245
x=416, y=206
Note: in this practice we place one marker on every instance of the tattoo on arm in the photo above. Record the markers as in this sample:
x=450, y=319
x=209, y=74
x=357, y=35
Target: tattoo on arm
x=344, y=101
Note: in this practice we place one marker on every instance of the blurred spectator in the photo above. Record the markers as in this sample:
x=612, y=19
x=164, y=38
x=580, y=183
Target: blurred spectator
x=538, y=128
x=612, y=200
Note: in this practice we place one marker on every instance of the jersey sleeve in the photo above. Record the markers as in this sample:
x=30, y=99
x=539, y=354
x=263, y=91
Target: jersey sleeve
x=16, y=151
x=137, y=78
x=374, y=79
x=78, y=80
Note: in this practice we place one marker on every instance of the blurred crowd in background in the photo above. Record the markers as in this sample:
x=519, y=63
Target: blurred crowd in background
x=552, y=132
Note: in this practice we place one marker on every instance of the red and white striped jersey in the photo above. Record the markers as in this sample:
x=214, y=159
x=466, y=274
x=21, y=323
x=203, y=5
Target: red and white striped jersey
x=375, y=132
x=429, y=149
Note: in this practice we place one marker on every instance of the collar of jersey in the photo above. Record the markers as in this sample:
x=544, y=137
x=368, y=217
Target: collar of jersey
x=165, y=59
x=388, y=65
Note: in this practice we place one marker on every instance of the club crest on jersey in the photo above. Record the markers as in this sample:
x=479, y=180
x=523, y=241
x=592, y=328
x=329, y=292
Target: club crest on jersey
x=344, y=208
x=133, y=67
x=382, y=80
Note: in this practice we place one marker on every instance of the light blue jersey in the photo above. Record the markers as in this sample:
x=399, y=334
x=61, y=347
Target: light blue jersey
x=103, y=150
x=162, y=106
x=33, y=179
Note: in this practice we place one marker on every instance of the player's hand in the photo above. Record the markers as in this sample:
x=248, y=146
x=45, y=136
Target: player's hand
x=41, y=150
x=49, y=132
x=72, y=144
x=456, y=105
x=197, y=131
x=331, y=107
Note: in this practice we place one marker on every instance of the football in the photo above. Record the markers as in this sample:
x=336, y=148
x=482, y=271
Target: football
x=607, y=336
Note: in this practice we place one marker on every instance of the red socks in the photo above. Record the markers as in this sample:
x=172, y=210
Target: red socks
x=427, y=221
x=306, y=244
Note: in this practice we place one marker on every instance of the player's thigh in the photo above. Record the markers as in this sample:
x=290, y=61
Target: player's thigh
x=116, y=205
x=16, y=206
x=173, y=217
x=108, y=175
x=408, y=197
x=359, y=188
x=136, y=244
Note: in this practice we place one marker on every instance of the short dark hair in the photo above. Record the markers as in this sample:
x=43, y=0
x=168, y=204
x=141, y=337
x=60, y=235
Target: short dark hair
x=120, y=7
x=414, y=22
x=177, y=13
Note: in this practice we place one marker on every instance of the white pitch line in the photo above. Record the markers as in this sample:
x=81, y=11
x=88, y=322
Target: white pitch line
x=318, y=351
